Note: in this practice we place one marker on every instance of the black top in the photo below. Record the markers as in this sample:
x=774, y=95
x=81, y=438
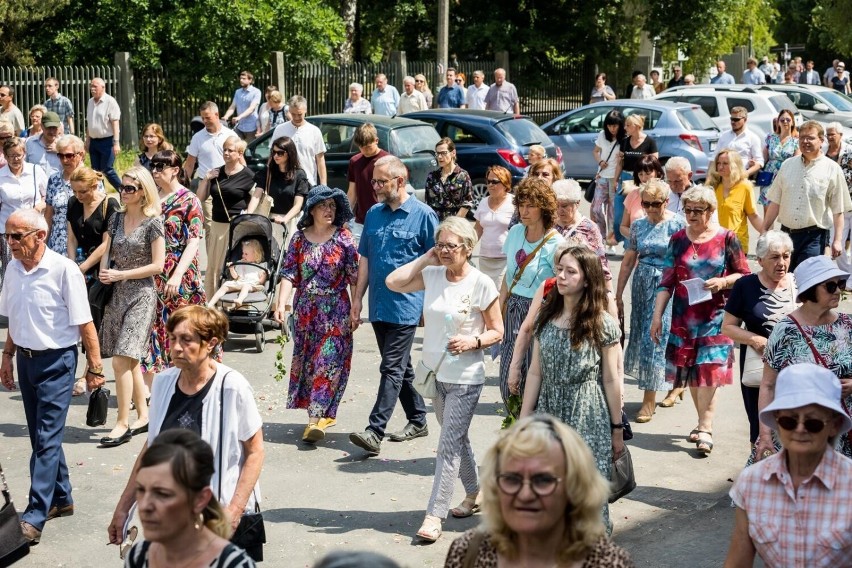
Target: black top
x=90, y=232
x=283, y=192
x=758, y=307
x=235, y=192
x=185, y=411
x=633, y=155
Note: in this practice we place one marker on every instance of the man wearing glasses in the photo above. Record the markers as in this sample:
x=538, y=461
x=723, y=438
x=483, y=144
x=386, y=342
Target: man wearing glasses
x=397, y=230
x=809, y=196
x=45, y=324
x=743, y=141
x=9, y=111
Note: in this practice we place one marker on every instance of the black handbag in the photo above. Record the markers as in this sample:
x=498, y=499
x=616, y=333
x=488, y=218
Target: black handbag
x=100, y=294
x=13, y=543
x=589, y=191
x=622, y=481
x=251, y=532
x=96, y=414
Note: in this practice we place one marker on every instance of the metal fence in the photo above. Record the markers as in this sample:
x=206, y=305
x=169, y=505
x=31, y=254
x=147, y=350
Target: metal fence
x=326, y=87
x=548, y=90
x=28, y=83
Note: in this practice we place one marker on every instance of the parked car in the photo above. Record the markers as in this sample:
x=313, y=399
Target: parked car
x=410, y=140
x=818, y=103
x=679, y=130
x=485, y=138
x=717, y=101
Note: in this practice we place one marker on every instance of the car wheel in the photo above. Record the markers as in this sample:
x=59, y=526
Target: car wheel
x=480, y=190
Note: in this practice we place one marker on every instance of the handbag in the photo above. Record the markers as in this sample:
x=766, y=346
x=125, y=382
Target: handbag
x=96, y=414
x=100, y=294
x=264, y=207
x=13, y=543
x=752, y=368
x=523, y=266
x=589, y=192
x=426, y=380
x=251, y=532
x=764, y=178
x=622, y=480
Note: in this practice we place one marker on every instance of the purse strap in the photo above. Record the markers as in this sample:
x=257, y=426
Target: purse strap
x=817, y=357
x=520, y=272
x=473, y=545
x=611, y=150
x=222, y=198
x=221, y=440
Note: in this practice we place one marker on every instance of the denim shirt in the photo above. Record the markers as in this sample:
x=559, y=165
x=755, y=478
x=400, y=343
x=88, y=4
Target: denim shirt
x=390, y=240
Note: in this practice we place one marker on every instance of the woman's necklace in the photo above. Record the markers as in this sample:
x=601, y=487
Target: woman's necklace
x=694, y=251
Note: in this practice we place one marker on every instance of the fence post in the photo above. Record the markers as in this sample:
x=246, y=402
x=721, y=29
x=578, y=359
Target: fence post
x=400, y=65
x=126, y=96
x=502, y=59
x=276, y=63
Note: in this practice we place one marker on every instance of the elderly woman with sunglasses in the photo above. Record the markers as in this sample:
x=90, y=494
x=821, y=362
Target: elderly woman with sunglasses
x=697, y=354
x=70, y=150
x=792, y=509
x=644, y=257
x=779, y=146
x=541, y=500
x=814, y=333
x=493, y=216
x=459, y=295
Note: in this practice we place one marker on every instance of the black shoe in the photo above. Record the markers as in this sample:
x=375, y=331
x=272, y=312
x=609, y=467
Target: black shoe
x=60, y=511
x=140, y=430
x=108, y=442
x=410, y=432
x=368, y=440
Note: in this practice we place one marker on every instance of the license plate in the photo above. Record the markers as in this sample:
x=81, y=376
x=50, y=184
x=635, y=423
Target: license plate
x=712, y=145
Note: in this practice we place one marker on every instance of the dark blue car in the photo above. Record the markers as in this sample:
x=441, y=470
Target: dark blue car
x=485, y=138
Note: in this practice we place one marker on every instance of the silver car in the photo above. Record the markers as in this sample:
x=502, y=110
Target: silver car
x=818, y=103
x=679, y=130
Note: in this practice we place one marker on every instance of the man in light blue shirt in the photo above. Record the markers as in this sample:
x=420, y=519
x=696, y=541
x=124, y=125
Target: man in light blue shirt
x=722, y=78
x=385, y=99
x=245, y=103
x=752, y=75
x=397, y=230
x=41, y=149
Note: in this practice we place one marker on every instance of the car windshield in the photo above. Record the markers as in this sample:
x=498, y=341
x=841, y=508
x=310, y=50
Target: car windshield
x=838, y=100
x=522, y=132
x=780, y=102
x=696, y=119
x=413, y=140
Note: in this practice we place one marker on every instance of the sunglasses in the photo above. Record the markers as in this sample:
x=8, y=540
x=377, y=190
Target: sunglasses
x=832, y=285
x=279, y=153
x=691, y=211
x=493, y=182
x=812, y=425
x=18, y=236
x=131, y=189
x=67, y=156
x=458, y=80
x=736, y=119
x=159, y=166
x=652, y=204
x=785, y=120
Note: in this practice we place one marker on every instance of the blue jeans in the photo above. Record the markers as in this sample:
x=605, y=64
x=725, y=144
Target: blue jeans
x=46, y=382
x=102, y=158
x=397, y=376
x=618, y=207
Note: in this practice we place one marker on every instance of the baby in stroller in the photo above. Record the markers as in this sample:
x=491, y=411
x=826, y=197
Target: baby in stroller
x=246, y=278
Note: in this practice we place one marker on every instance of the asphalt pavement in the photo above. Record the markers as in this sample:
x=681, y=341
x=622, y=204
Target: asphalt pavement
x=331, y=496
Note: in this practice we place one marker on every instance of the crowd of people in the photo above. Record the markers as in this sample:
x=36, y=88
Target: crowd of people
x=541, y=296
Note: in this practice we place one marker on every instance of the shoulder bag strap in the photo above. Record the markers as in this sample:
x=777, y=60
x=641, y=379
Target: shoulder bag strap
x=817, y=357
x=529, y=258
x=611, y=150
x=221, y=430
x=222, y=197
x=472, y=552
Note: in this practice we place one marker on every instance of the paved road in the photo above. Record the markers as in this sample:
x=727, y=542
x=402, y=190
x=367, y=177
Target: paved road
x=318, y=499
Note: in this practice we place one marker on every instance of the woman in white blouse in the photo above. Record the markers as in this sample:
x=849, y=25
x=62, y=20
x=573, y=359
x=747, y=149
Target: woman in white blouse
x=493, y=216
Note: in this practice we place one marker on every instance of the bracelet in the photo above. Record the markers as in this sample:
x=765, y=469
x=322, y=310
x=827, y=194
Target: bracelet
x=616, y=426
x=478, y=343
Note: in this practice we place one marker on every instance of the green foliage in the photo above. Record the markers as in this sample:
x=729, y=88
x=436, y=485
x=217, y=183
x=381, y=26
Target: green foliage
x=513, y=403
x=17, y=19
x=280, y=363
x=832, y=29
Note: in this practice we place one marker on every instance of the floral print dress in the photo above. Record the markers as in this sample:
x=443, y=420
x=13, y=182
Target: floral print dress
x=778, y=152
x=58, y=193
x=182, y=220
x=322, y=342
x=446, y=197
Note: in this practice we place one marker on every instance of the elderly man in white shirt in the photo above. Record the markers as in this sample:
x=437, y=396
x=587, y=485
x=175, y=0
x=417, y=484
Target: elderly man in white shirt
x=411, y=100
x=476, y=92
x=641, y=89
x=743, y=141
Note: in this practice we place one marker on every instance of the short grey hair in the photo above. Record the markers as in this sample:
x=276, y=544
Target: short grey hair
x=700, y=194
x=773, y=241
x=298, y=101
x=70, y=141
x=567, y=190
x=408, y=79
x=655, y=188
x=395, y=166
x=31, y=218
x=678, y=164
x=460, y=228
x=358, y=86
x=836, y=126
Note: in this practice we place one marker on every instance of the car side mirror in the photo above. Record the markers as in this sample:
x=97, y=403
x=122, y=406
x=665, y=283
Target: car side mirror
x=821, y=107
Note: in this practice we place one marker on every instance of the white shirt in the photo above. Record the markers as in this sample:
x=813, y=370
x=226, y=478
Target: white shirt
x=465, y=301
x=46, y=305
x=242, y=421
x=475, y=97
x=20, y=192
x=207, y=149
x=809, y=194
x=411, y=103
x=309, y=145
x=608, y=155
x=646, y=92
x=747, y=144
x=495, y=226
x=99, y=116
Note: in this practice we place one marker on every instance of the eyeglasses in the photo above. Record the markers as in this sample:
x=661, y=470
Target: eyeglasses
x=442, y=153
x=652, y=204
x=691, y=211
x=67, y=156
x=447, y=246
x=418, y=81
x=493, y=182
x=735, y=119
x=278, y=153
x=542, y=484
x=331, y=205
x=812, y=425
x=784, y=120
x=18, y=236
x=131, y=189
x=380, y=182
x=159, y=166
x=832, y=285
x=458, y=81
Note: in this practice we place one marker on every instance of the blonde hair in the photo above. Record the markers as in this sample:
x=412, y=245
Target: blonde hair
x=275, y=97
x=460, y=228
x=41, y=108
x=636, y=120
x=655, y=189
x=538, y=150
x=254, y=245
x=239, y=143
x=735, y=163
x=150, y=197
x=87, y=176
x=7, y=127
x=584, y=486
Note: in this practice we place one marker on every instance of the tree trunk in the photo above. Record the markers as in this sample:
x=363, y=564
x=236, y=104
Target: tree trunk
x=348, y=11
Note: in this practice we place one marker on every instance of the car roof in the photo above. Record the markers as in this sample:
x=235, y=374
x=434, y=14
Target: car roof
x=650, y=103
x=471, y=115
x=746, y=90
x=380, y=121
x=796, y=87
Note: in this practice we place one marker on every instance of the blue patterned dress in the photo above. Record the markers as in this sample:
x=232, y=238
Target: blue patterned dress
x=58, y=192
x=778, y=152
x=644, y=359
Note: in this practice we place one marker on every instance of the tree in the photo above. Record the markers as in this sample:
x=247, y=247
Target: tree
x=17, y=17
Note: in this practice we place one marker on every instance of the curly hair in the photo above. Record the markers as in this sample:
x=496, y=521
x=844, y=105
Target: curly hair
x=536, y=192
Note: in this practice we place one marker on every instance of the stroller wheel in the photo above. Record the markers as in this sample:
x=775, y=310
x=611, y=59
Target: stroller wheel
x=259, y=341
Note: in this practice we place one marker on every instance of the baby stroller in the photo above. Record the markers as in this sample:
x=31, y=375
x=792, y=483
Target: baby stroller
x=254, y=315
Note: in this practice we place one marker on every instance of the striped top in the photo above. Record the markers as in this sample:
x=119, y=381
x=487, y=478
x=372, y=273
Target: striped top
x=231, y=556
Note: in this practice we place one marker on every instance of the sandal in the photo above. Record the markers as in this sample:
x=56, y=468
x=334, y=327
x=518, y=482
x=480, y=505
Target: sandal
x=693, y=436
x=671, y=398
x=430, y=530
x=79, y=387
x=467, y=507
x=705, y=446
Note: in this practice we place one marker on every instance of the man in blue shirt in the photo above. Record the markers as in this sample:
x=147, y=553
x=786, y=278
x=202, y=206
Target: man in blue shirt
x=451, y=95
x=722, y=78
x=752, y=75
x=385, y=98
x=397, y=230
x=246, y=100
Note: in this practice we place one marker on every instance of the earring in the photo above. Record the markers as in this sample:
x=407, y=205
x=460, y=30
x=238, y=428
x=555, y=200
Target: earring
x=199, y=521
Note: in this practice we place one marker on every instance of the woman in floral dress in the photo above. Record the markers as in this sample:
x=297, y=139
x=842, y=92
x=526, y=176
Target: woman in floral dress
x=180, y=282
x=322, y=261
x=574, y=373
x=70, y=150
x=448, y=189
x=780, y=145
x=697, y=354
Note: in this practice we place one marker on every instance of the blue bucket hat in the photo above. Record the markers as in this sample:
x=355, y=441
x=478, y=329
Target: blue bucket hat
x=320, y=193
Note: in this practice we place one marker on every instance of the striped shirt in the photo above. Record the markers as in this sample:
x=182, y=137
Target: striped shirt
x=231, y=556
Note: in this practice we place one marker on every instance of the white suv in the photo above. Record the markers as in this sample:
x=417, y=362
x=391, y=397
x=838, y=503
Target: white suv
x=762, y=105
